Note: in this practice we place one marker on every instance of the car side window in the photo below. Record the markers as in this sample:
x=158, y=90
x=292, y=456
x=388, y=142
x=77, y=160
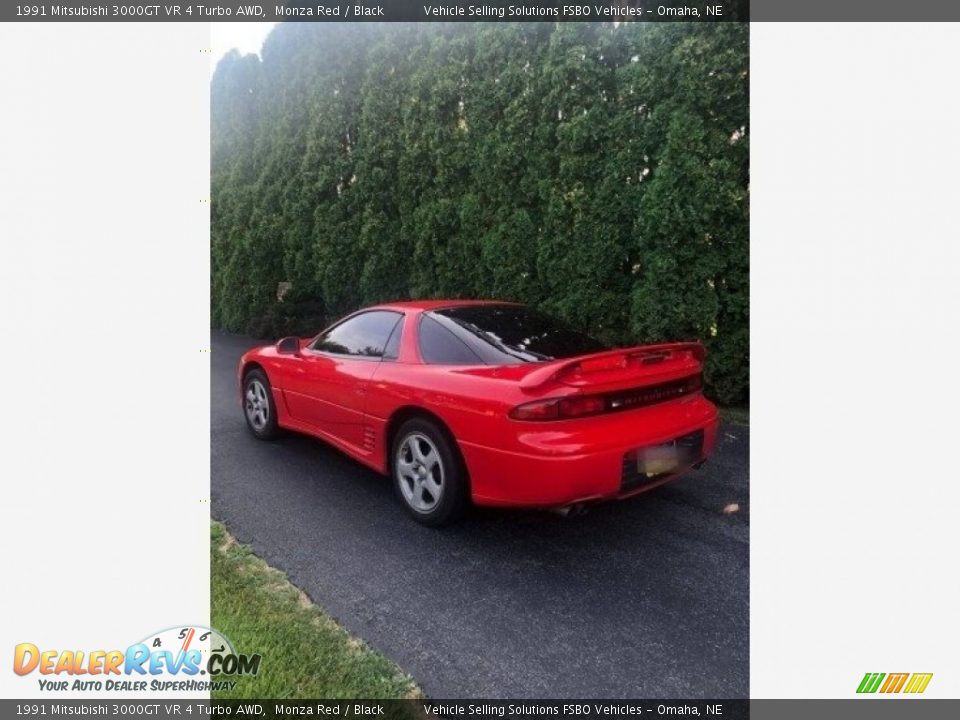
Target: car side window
x=391, y=350
x=439, y=346
x=363, y=335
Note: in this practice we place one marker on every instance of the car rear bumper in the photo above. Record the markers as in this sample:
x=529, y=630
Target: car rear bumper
x=570, y=462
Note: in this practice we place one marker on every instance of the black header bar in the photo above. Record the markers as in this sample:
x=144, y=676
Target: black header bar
x=383, y=11
x=482, y=11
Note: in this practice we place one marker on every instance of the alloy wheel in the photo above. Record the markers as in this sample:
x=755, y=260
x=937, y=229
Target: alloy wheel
x=257, y=405
x=420, y=472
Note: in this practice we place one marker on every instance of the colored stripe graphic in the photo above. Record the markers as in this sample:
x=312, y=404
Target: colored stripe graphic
x=894, y=682
x=870, y=682
x=918, y=682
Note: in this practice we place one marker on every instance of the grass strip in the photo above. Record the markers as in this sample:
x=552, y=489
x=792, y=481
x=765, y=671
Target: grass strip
x=305, y=653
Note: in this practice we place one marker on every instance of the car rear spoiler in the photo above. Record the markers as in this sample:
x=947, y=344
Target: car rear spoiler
x=609, y=359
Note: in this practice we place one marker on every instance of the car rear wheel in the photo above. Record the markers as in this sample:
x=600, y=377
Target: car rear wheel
x=428, y=473
x=258, y=405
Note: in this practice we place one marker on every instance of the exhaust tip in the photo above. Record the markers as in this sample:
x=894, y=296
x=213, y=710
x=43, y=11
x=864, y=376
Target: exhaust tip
x=570, y=511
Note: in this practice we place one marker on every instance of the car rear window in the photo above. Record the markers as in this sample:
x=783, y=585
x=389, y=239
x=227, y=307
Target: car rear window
x=499, y=335
x=440, y=346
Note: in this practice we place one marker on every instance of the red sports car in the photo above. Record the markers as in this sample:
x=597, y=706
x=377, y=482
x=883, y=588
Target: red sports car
x=489, y=402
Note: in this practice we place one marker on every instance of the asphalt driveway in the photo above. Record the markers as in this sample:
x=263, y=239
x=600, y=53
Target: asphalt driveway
x=646, y=598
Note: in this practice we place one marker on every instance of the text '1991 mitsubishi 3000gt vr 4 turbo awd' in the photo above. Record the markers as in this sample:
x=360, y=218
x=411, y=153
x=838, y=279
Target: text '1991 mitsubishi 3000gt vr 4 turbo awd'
x=488, y=402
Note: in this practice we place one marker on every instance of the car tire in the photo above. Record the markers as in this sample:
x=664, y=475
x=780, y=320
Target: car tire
x=259, y=408
x=429, y=475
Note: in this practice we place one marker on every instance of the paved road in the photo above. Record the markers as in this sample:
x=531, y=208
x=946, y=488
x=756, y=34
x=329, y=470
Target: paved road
x=644, y=598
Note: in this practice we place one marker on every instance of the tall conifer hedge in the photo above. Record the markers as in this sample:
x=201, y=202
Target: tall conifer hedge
x=598, y=172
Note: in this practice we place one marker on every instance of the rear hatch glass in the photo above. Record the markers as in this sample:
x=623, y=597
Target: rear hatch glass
x=510, y=334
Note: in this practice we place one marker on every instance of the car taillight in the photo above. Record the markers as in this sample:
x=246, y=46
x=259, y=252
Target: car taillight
x=574, y=406
x=560, y=408
x=538, y=410
x=582, y=405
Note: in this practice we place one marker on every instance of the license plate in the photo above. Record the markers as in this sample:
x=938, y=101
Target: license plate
x=658, y=460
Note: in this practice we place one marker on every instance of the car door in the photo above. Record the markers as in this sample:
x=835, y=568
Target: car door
x=328, y=389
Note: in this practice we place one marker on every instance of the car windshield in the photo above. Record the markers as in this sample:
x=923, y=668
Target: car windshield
x=508, y=334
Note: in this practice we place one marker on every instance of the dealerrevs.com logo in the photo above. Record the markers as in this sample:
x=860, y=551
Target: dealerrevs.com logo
x=182, y=659
x=911, y=683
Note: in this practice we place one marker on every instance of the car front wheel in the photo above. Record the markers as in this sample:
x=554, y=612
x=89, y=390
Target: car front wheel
x=258, y=405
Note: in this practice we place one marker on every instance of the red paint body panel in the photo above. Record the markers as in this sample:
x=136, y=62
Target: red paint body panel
x=350, y=401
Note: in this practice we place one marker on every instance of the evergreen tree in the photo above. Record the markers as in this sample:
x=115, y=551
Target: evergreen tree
x=598, y=171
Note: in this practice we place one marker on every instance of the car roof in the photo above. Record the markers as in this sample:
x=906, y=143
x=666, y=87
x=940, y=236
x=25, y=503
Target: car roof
x=424, y=305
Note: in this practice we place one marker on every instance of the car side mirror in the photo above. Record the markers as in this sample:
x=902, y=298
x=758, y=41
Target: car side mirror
x=288, y=346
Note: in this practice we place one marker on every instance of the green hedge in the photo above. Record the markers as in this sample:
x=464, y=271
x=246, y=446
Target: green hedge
x=599, y=172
